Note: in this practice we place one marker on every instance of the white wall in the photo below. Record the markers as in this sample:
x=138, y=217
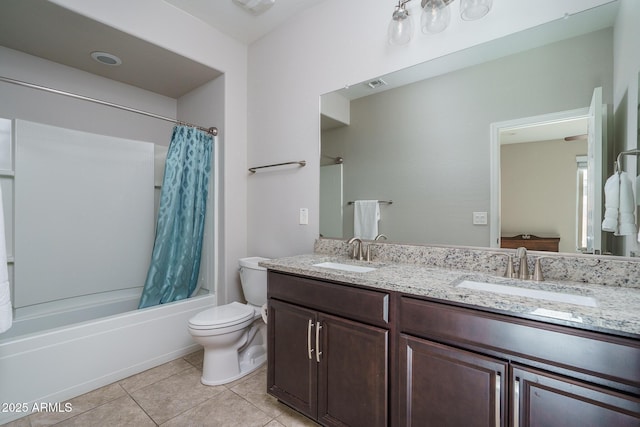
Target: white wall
x=325, y=48
x=625, y=95
x=170, y=28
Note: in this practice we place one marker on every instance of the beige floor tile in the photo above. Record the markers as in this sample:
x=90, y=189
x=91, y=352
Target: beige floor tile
x=247, y=377
x=20, y=422
x=195, y=358
x=172, y=396
x=153, y=375
x=79, y=405
x=291, y=418
x=226, y=409
x=274, y=423
x=254, y=389
x=121, y=412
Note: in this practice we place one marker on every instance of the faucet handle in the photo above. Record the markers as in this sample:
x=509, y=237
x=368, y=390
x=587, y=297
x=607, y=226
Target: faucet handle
x=537, y=271
x=510, y=271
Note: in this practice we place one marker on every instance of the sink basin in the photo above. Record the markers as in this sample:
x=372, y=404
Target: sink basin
x=529, y=293
x=344, y=267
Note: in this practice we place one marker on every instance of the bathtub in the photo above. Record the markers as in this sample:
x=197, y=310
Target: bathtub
x=73, y=358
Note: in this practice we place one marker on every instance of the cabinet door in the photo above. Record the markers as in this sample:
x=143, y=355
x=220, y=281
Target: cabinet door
x=541, y=399
x=445, y=386
x=292, y=370
x=353, y=383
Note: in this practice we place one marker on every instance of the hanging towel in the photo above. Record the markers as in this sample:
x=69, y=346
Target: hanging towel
x=366, y=215
x=619, y=205
x=6, y=315
x=611, y=204
x=627, y=225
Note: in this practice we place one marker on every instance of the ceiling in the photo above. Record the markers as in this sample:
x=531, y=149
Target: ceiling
x=232, y=20
x=46, y=30
x=548, y=131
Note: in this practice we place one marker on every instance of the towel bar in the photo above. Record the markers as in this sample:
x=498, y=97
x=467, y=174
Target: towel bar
x=387, y=202
x=617, y=166
x=300, y=162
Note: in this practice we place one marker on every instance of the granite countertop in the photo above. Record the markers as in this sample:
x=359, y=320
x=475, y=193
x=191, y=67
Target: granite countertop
x=616, y=312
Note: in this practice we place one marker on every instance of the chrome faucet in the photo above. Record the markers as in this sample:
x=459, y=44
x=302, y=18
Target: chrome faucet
x=380, y=236
x=357, y=248
x=523, y=268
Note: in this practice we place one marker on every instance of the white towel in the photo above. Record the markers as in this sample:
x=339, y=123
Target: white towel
x=611, y=204
x=627, y=207
x=366, y=215
x=619, y=206
x=6, y=314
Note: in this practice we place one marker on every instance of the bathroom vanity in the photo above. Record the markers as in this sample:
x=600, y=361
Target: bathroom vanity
x=403, y=345
x=328, y=350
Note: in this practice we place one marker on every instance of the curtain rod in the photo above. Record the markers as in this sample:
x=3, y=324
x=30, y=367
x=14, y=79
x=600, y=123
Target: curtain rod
x=211, y=130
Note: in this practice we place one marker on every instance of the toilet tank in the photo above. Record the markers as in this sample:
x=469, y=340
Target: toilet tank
x=254, y=280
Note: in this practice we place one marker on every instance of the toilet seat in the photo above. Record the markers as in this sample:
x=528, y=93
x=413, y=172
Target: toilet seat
x=222, y=316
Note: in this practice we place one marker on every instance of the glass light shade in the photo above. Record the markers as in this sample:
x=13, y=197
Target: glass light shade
x=436, y=16
x=474, y=9
x=400, y=30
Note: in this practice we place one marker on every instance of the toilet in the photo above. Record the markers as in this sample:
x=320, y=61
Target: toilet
x=234, y=335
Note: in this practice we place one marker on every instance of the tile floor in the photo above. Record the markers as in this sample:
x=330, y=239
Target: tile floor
x=172, y=395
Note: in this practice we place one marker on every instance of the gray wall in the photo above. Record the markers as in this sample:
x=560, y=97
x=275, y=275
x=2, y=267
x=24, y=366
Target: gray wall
x=426, y=145
x=204, y=106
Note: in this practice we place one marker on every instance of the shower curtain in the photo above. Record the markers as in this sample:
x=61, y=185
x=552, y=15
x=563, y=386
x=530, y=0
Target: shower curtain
x=175, y=261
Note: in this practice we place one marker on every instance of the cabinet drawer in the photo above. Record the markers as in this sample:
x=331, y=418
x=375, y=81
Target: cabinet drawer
x=342, y=300
x=614, y=361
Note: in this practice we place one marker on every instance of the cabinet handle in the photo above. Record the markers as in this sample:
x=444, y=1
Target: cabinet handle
x=516, y=402
x=309, y=349
x=318, y=352
x=498, y=398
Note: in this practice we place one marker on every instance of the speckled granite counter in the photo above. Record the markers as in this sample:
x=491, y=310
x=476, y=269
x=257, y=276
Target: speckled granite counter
x=618, y=309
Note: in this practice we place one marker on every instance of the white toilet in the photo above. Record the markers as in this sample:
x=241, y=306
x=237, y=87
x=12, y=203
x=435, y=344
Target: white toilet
x=234, y=336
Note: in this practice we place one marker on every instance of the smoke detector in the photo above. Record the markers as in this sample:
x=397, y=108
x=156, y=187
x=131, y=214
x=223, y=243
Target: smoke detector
x=255, y=7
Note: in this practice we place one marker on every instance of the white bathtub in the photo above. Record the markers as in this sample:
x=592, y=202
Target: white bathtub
x=64, y=362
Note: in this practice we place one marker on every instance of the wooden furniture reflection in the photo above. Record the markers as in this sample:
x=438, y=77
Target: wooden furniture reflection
x=530, y=242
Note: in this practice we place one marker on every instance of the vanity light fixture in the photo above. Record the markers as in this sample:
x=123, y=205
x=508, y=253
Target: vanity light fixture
x=436, y=16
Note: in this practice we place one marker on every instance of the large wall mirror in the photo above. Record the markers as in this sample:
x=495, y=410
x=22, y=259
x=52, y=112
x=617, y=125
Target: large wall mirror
x=489, y=141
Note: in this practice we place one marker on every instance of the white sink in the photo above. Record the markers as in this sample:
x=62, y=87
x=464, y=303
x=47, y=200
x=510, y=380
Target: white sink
x=344, y=267
x=529, y=293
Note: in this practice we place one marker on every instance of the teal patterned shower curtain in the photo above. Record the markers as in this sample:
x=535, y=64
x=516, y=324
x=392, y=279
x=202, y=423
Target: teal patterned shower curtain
x=175, y=261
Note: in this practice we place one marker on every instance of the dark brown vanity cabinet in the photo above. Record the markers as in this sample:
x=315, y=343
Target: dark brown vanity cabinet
x=328, y=350
x=462, y=367
x=444, y=386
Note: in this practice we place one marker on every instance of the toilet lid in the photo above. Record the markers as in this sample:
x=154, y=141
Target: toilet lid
x=223, y=315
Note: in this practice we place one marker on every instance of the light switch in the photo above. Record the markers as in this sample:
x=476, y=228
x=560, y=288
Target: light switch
x=479, y=218
x=304, y=216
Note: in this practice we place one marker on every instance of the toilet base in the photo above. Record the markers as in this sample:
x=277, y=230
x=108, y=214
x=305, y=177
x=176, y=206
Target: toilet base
x=250, y=360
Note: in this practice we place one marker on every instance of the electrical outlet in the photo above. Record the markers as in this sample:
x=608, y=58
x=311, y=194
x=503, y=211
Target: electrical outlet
x=479, y=218
x=304, y=216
